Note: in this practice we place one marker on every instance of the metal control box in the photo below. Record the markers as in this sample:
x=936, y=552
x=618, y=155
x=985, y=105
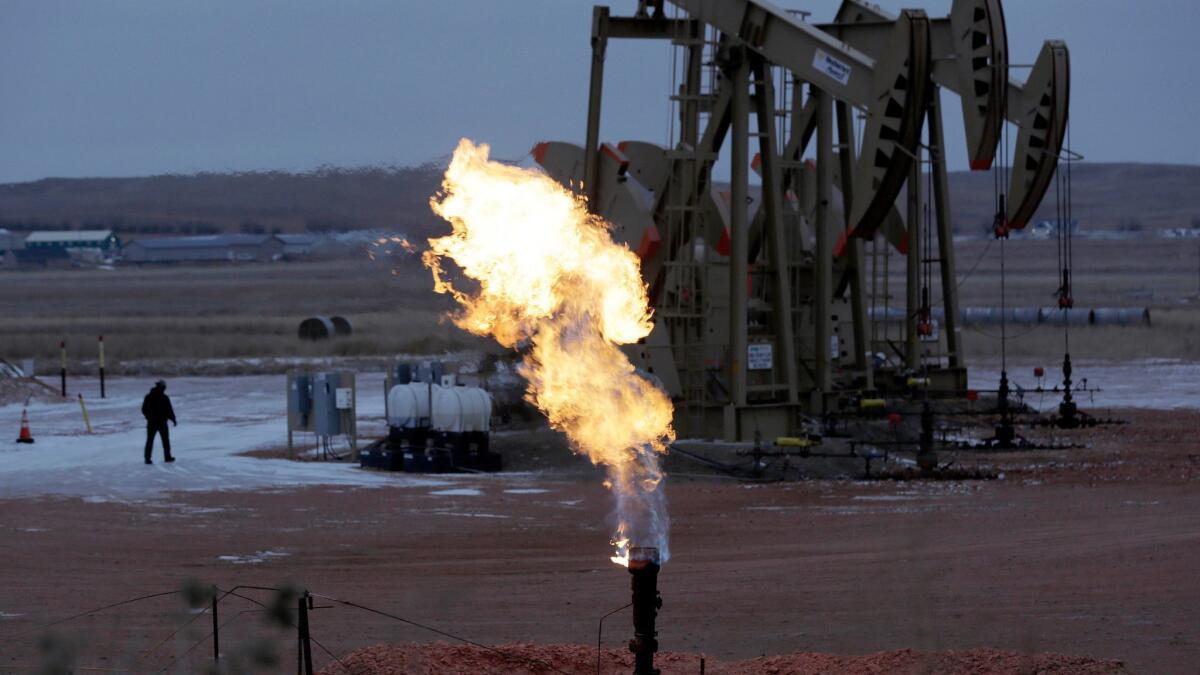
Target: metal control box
x=322, y=403
x=326, y=416
x=300, y=395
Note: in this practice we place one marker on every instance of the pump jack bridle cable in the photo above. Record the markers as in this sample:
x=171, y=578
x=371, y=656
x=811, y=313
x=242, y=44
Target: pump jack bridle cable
x=927, y=236
x=1005, y=179
x=1067, y=265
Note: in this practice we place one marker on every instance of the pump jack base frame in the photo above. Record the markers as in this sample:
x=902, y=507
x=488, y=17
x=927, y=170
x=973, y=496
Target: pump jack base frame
x=1077, y=420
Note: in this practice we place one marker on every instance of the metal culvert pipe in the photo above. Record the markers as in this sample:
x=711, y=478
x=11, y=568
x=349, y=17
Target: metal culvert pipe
x=1025, y=315
x=1074, y=317
x=1121, y=316
x=898, y=313
x=993, y=315
x=886, y=314
x=978, y=315
x=341, y=326
x=316, y=328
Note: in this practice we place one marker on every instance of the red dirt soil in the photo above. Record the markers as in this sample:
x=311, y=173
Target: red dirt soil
x=444, y=659
x=1089, y=552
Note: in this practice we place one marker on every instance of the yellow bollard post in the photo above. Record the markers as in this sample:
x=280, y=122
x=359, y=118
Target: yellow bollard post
x=62, y=371
x=86, y=422
x=100, y=340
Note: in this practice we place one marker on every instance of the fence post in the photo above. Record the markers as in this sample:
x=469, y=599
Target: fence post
x=101, y=342
x=216, y=635
x=62, y=371
x=305, y=642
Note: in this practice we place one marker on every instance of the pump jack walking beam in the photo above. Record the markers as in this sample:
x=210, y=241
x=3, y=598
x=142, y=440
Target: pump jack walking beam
x=969, y=49
x=891, y=86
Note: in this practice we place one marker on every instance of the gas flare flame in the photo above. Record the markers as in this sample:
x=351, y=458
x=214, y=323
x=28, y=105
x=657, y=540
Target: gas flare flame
x=549, y=278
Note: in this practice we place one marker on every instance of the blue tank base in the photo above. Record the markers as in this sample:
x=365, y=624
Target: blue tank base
x=435, y=452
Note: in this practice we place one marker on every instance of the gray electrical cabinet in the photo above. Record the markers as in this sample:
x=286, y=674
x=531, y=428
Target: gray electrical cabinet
x=300, y=398
x=323, y=404
x=326, y=417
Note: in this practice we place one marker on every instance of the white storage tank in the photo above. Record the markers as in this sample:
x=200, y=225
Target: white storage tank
x=408, y=405
x=459, y=410
x=454, y=409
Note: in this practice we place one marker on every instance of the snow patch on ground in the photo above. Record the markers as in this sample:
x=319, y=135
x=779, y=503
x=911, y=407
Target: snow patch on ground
x=219, y=418
x=256, y=558
x=525, y=491
x=1158, y=384
x=458, y=492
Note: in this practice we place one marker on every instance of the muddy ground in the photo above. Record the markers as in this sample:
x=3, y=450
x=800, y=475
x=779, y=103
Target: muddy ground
x=444, y=659
x=1085, y=552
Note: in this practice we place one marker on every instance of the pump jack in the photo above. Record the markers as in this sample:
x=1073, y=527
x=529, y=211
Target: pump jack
x=760, y=309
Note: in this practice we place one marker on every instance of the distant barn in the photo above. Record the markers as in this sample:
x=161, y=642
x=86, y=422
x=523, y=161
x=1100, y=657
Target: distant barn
x=10, y=241
x=41, y=256
x=297, y=245
x=103, y=240
x=209, y=248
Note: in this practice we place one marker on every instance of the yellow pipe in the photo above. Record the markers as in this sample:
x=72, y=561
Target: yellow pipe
x=86, y=422
x=794, y=442
x=872, y=404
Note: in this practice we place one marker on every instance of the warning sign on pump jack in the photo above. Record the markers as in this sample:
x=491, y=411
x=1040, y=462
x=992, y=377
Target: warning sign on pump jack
x=759, y=356
x=832, y=67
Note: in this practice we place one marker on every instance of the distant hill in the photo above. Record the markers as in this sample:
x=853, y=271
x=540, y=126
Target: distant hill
x=1107, y=196
x=323, y=200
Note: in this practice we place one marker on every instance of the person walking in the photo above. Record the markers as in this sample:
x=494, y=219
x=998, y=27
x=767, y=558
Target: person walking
x=156, y=408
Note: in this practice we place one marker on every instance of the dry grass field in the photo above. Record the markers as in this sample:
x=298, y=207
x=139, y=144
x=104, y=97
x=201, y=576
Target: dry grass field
x=1160, y=274
x=193, y=313
x=185, y=314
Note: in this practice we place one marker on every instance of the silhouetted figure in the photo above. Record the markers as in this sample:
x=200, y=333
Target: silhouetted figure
x=156, y=408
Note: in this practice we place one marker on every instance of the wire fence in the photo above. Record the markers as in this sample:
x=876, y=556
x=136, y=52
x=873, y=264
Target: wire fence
x=286, y=607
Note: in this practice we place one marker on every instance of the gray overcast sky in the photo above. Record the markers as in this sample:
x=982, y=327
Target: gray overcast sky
x=123, y=88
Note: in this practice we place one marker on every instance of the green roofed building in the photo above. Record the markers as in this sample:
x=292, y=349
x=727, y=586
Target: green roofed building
x=104, y=240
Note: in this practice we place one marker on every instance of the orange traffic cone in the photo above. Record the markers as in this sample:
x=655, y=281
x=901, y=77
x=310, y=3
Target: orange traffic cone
x=25, y=436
